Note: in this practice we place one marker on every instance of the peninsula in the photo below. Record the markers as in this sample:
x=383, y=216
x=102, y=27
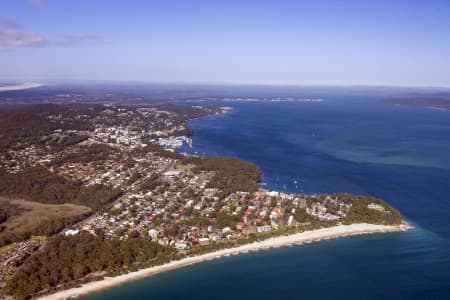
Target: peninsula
x=112, y=201
x=438, y=101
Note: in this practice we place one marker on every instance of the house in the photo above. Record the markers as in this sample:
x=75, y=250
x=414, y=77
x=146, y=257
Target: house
x=181, y=245
x=203, y=241
x=164, y=241
x=240, y=225
x=263, y=228
x=153, y=233
x=226, y=229
x=172, y=173
x=273, y=194
x=71, y=232
x=375, y=206
x=290, y=220
x=209, y=192
x=274, y=225
x=215, y=237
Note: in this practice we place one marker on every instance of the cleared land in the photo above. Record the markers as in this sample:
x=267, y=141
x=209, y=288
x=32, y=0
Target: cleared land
x=26, y=216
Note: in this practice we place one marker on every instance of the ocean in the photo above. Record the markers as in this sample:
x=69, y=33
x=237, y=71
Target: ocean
x=347, y=143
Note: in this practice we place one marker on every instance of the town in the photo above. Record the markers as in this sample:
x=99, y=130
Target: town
x=121, y=164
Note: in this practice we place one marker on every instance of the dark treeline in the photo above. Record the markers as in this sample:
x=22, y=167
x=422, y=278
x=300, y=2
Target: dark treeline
x=150, y=183
x=22, y=128
x=160, y=151
x=68, y=259
x=441, y=100
x=231, y=174
x=29, y=124
x=187, y=131
x=3, y=218
x=223, y=220
x=86, y=154
x=44, y=228
x=3, y=215
x=185, y=112
x=63, y=142
x=360, y=213
x=40, y=185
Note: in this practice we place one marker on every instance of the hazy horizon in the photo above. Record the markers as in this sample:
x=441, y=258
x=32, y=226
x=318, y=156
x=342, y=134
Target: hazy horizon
x=289, y=43
x=99, y=82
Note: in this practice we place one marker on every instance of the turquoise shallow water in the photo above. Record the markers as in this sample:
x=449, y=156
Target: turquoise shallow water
x=359, y=146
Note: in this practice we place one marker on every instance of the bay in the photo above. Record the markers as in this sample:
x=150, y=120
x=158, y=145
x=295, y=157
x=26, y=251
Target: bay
x=347, y=143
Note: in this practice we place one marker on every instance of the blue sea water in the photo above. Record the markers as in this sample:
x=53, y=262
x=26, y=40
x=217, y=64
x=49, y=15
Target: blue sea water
x=348, y=143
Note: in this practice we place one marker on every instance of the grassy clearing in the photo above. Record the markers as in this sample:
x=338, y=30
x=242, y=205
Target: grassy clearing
x=6, y=248
x=187, y=167
x=40, y=238
x=25, y=216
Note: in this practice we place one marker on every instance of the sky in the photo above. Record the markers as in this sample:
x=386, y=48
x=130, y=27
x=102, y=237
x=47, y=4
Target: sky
x=361, y=42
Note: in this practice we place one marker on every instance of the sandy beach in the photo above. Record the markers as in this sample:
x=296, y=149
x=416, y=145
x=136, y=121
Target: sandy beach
x=298, y=238
x=20, y=87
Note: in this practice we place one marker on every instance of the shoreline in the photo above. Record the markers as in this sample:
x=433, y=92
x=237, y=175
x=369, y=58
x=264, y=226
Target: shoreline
x=274, y=242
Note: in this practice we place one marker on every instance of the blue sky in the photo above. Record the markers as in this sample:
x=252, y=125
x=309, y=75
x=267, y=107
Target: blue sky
x=256, y=42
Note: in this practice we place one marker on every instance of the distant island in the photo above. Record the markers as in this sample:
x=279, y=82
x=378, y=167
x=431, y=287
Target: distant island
x=439, y=101
x=95, y=195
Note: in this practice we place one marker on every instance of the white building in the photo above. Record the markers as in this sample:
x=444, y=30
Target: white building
x=71, y=232
x=264, y=228
x=153, y=233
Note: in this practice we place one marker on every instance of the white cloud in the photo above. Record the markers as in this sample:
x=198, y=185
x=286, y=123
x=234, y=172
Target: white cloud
x=11, y=38
x=10, y=24
x=77, y=38
x=37, y=3
x=80, y=37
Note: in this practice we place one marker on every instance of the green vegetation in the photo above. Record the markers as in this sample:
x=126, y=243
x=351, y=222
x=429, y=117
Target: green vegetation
x=182, y=167
x=53, y=202
x=3, y=215
x=68, y=259
x=187, y=131
x=360, y=213
x=40, y=185
x=184, y=112
x=231, y=174
x=28, y=218
x=149, y=184
x=302, y=217
x=89, y=153
x=61, y=142
x=224, y=220
x=29, y=124
x=160, y=151
x=7, y=248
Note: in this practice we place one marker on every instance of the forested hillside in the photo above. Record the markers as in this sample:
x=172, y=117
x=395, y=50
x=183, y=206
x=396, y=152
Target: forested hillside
x=40, y=185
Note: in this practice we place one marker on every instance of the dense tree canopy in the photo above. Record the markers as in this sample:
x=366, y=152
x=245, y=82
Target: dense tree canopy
x=360, y=213
x=3, y=215
x=67, y=259
x=86, y=154
x=29, y=124
x=231, y=174
x=40, y=185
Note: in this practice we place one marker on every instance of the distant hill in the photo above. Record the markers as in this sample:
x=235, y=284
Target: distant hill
x=441, y=101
